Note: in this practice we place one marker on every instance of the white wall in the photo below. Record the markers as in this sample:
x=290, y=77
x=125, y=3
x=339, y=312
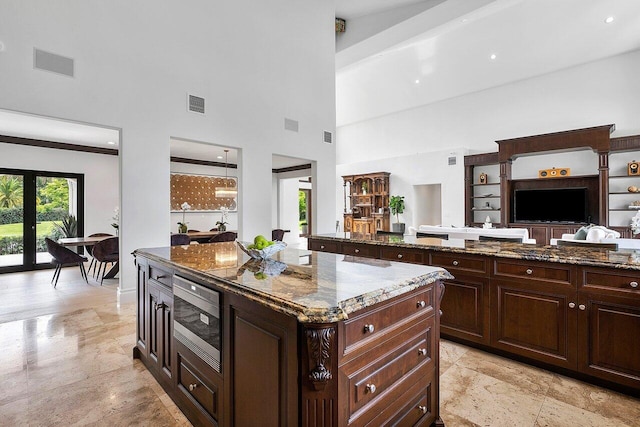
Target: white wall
x=100, y=178
x=593, y=94
x=415, y=170
x=135, y=64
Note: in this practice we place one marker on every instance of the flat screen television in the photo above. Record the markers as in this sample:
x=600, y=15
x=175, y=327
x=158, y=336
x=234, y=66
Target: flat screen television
x=551, y=205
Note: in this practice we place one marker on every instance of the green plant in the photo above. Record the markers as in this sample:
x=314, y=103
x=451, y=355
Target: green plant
x=396, y=204
x=69, y=226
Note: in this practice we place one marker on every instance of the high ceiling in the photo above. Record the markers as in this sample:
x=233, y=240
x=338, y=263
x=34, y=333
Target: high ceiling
x=458, y=47
x=405, y=53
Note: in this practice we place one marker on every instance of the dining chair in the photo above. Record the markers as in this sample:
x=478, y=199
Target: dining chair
x=106, y=251
x=61, y=256
x=89, y=249
x=180, y=239
x=225, y=236
x=277, y=234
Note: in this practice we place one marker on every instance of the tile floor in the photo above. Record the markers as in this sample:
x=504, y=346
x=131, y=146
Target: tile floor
x=65, y=359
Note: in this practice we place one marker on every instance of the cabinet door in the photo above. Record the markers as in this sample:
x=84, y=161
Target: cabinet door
x=534, y=320
x=160, y=302
x=143, y=310
x=465, y=309
x=540, y=233
x=166, y=317
x=264, y=366
x=608, y=328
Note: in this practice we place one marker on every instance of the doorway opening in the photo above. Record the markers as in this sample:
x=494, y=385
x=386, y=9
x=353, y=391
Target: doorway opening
x=428, y=204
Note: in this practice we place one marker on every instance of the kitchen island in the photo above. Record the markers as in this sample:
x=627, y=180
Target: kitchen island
x=575, y=310
x=307, y=338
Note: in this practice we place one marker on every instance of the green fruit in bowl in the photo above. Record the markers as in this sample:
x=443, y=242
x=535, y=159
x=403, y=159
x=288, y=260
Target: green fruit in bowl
x=260, y=276
x=259, y=238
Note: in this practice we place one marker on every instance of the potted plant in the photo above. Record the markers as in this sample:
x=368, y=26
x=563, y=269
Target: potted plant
x=182, y=226
x=396, y=204
x=68, y=227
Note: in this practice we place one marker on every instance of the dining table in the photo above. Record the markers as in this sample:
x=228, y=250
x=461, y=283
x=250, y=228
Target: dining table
x=203, y=236
x=90, y=241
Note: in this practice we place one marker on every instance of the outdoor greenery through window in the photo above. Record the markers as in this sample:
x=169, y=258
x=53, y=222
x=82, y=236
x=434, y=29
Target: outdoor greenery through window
x=52, y=210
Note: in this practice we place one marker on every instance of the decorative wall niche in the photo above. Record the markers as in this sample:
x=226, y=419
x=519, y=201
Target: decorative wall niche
x=199, y=191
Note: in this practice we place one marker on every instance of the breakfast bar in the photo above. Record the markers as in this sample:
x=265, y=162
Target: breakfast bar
x=303, y=338
x=574, y=310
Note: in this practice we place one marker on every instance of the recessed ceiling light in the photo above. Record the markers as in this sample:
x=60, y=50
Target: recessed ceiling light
x=219, y=157
x=417, y=81
x=111, y=143
x=609, y=20
x=464, y=20
x=493, y=56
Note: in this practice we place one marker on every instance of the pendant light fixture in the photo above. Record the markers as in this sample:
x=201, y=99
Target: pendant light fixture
x=226, y=192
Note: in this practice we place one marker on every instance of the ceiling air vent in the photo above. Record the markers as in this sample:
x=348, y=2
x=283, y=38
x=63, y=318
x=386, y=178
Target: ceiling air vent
x=452, y=160
x=290, y=124
x=51, y=62
x=196, y=104
x=328, y=137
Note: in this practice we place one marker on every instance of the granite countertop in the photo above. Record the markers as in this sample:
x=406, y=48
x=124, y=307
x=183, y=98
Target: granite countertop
x=626, y=259
x=315, y=287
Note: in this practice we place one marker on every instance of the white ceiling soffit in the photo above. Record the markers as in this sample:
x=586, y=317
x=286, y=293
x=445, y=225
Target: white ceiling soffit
x=385, y=30
x=38, y=127
x=352, y=9
x=453, y=57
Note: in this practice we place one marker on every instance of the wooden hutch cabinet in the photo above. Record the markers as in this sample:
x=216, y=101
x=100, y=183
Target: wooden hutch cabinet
x=366, y=202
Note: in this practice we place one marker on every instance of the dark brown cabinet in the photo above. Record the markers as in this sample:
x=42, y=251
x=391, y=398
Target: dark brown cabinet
x=579, y=318
x=160, y=303
x=154, y=332
x=609, y=325
x=263, y=350
x=465, y=305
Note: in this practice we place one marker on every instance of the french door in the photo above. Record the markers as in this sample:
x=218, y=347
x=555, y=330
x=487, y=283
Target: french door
x=35, y=205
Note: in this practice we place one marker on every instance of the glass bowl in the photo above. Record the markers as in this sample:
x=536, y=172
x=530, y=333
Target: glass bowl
x=265, y=253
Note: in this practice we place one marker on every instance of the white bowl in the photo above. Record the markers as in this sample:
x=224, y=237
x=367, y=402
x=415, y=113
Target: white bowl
x=265, y=253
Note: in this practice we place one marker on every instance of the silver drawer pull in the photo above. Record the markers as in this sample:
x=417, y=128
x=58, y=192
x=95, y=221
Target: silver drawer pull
x=582, y=307
x=400, y=256
x=192, y=387
x=357, y=251
x=422, y=408
x=422, y=351
x=529, y=271
x=633, y=284
x=421, y=304
x=369, y=328
x=371, y=388
x=455, y=262
x=572, y=305
x=321, y=246
x=162, y=276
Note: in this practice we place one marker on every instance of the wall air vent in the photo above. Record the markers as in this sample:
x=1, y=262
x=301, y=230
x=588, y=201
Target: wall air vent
x=195, y=104
x=290, y=124
x=51, y=62
x=328, y=137
x=452, y=160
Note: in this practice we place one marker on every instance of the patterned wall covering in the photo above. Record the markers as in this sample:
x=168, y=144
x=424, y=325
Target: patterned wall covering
x=200, y=192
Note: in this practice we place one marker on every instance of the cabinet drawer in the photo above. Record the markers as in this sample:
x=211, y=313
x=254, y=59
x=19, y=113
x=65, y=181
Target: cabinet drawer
x=324, y=246
x=379, y=320
x=377, y=384
x=159, y=275
x=370, y=251
x=609, y=280
x=402, y=254
x=190, y=384
x=414, y=408
x=460, y=263
x=548, y=272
